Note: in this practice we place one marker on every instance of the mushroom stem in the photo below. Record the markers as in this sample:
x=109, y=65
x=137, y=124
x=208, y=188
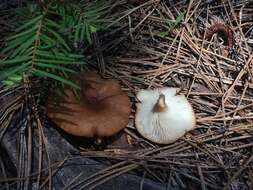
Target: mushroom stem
x=160, y=105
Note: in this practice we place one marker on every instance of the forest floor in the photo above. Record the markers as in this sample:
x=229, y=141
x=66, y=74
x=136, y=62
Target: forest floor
x=204, y=48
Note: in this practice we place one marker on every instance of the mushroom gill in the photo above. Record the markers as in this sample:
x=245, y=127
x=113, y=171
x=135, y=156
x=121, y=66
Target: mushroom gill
x=162, y=116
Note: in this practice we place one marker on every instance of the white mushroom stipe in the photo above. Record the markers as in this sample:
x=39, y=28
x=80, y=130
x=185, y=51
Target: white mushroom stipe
x=162, y=116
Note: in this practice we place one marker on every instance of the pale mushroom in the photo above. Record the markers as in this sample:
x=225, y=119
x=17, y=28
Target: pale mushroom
x=162, y=116
x=102, y=109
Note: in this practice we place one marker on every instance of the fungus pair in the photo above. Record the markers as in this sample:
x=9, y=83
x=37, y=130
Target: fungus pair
x=103, y=109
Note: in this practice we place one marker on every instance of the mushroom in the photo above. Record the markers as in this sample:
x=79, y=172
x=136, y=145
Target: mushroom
x=101, y=110
x=162, y=116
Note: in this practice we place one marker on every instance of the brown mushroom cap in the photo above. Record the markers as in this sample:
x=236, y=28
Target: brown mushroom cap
x=103, y=109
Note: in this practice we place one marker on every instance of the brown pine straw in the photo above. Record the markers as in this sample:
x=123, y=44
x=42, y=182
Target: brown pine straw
x=218, y=153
